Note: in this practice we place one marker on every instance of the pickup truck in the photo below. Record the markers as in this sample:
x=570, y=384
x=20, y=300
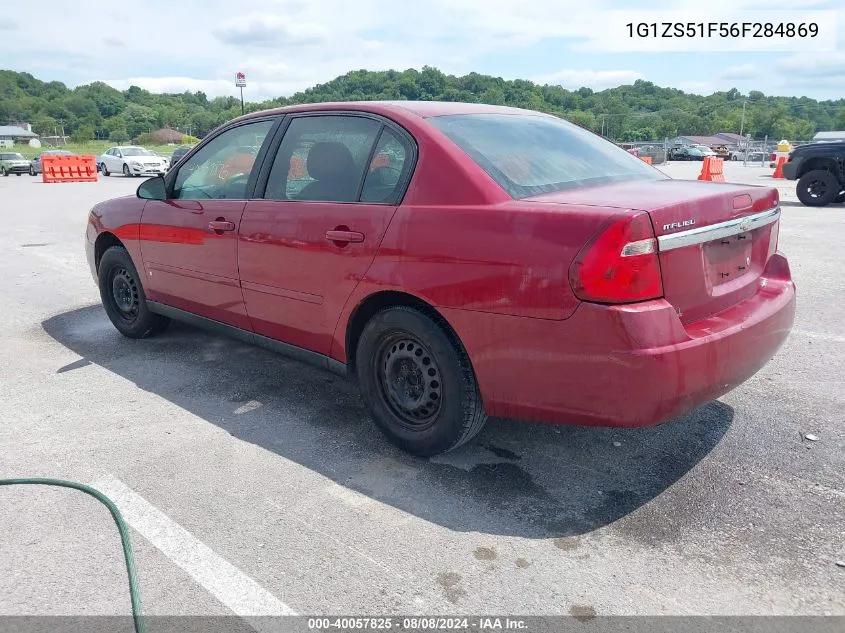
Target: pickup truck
x=819, y=169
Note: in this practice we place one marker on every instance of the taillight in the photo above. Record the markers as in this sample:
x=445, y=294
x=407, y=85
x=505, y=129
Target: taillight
x=620, y=265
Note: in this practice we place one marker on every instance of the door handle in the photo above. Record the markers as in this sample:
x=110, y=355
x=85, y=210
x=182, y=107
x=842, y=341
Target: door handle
x=343, y=237
x=220, y=226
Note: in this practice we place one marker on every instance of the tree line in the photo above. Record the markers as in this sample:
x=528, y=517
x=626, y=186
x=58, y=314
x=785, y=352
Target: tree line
x=638, y=112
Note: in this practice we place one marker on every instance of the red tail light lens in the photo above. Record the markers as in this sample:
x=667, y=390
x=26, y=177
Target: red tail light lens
x=620, y=265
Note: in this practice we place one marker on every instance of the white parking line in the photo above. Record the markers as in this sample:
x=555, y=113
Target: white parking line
x=237, y=591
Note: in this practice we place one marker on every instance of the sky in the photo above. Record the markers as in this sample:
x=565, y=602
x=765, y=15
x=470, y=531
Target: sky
x=285, y=46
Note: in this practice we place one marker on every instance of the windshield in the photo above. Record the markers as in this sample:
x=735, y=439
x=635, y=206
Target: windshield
x=136, y=151
x=11, y=157
x=532, y=154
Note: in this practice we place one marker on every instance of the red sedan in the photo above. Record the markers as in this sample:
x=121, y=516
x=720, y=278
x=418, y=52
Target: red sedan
x=458, y=260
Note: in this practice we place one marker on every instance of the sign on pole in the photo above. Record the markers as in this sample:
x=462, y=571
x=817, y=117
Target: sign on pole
x=240, y=80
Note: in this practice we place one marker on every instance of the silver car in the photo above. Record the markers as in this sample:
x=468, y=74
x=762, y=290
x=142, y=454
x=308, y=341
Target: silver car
x=35, y=167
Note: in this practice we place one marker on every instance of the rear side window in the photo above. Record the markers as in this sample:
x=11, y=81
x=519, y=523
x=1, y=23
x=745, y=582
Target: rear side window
x=529, y=154
x=384, y=177
x=322, y=158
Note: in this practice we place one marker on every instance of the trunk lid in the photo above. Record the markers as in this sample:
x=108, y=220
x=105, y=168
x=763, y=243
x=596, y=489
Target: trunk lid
x=710, y=259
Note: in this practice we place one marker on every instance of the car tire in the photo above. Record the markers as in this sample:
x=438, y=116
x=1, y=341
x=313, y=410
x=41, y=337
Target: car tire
x=123, y=296
x=418, y=382
x=32, y=171
x=126, y=171
x=734, y=157
x=3, y=171
x=19, y=174
x=840, y=198
x=817, y=188
x=105, y=170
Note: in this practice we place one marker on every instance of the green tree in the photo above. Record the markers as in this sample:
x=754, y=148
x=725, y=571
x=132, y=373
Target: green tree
x=82, y=134
x=119, y=135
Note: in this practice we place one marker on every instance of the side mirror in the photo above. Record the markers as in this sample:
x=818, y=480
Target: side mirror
x=153, y=189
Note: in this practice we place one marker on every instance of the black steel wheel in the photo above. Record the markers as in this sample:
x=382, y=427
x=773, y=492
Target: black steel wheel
x=409, y=380
x=417, y=381
x=817, y=188
x=123, y=296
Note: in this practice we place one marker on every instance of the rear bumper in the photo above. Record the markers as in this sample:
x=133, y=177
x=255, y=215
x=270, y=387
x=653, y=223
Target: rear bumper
x=626, y=366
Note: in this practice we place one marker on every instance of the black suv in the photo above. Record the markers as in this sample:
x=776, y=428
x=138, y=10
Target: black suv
x=819, y=169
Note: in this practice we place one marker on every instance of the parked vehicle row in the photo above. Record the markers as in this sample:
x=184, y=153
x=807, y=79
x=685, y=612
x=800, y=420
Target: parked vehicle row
x=458, y=261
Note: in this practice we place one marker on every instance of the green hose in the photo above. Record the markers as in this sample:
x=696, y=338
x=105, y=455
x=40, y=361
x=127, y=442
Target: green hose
x=134, y=593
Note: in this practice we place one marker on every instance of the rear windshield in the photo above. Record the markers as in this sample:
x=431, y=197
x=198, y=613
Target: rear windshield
x=529, y=154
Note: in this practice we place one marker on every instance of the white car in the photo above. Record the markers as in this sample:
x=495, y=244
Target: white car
x=131, y=160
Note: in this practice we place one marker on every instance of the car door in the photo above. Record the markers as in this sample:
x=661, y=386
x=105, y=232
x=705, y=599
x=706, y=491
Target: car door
x=331, y=191
x=189, y=241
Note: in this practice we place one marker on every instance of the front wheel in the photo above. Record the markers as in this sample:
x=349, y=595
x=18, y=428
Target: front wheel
x=3, y=171
x=817, y=188
x=418, y=382
x=32, y=171
x=105, y=170
x=123, y=296
x=126, y=171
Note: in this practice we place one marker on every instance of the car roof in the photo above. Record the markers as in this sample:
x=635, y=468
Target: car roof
x=423, y=109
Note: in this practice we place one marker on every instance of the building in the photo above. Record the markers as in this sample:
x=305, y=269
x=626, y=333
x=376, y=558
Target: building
x=830, y=136
x=11, y=133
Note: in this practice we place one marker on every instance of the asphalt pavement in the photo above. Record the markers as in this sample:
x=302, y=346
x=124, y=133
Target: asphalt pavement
x=257, y=485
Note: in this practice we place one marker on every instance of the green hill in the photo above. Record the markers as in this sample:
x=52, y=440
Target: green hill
x=637, y=112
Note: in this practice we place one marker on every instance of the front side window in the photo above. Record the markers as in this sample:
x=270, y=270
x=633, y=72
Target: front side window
x=322, y=158
x=221, y=168
x=529, y=154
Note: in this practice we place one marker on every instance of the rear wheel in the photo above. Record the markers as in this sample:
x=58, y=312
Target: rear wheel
x=123, y=296
x=418, y=382
x=818, y=188
x=32, y=171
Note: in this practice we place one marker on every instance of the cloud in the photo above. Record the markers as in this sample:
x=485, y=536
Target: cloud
x=744, y=71
x=7, y=25
x=596, y=79
x=286, y=46
x=807, y=64
x=268, y=30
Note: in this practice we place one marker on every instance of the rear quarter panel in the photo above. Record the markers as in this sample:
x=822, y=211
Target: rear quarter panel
x=507, y=259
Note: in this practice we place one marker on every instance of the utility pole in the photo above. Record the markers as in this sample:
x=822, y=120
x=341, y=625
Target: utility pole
x=742, y=125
